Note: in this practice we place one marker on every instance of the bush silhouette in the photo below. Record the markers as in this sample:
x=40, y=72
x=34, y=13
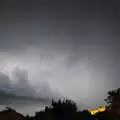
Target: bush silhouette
x=67, y=110
x=62, y=109
x=43, y=116
x=113, y=96
x=86, y=115
x=113, y=100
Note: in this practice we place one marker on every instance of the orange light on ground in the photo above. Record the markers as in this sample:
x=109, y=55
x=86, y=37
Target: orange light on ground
x=101, y=109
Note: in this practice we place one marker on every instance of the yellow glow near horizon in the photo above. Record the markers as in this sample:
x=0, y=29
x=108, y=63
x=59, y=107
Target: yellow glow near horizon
x=101, y=109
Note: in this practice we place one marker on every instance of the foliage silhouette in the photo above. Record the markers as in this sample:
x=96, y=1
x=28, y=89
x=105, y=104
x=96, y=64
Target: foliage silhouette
x=113, y=100
x=62, y=110
x=113, y=95
x=67, y=110
x=83, y=115
x=43, y=116
x=102, y=115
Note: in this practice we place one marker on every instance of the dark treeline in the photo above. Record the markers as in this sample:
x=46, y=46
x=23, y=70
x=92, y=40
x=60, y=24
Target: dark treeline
x=61, y=110
x=67, y=110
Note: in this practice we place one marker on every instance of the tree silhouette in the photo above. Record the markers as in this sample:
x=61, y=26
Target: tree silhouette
x=113, y=96
x=27, y=117
x=62, y=109
x=102, y=115
x=43, y=116
x=113, y=100
x=86, y=115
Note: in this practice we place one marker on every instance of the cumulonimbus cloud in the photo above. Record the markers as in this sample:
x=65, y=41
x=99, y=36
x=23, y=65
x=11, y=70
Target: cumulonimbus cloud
x=21, y=87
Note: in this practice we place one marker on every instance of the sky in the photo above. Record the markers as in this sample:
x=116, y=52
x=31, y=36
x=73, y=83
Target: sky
x=56, y=49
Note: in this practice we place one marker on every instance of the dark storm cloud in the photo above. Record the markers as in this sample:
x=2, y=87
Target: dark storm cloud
x=41, y=23
x=21, y=89
x=73, y=45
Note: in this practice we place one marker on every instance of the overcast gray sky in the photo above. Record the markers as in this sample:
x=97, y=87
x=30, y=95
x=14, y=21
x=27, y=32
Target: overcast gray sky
x=50, y=49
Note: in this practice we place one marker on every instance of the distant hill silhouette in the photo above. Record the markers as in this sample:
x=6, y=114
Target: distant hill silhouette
x=10, y=114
